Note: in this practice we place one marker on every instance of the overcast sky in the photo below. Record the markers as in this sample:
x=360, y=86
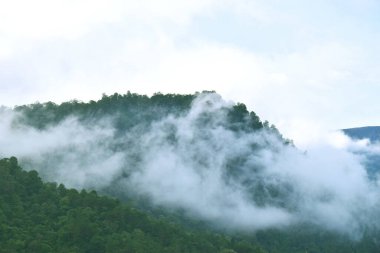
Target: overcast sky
x=299, y=64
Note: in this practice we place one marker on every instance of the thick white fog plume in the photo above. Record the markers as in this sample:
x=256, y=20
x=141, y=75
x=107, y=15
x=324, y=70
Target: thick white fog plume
x=76, y=155
x=195, y=163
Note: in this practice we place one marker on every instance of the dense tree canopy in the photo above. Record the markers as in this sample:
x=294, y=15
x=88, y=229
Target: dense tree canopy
x=46, y=217
x=128, y=110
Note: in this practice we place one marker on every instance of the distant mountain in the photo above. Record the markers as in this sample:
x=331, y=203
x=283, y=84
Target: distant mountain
x=372, y=161
x=370, y=132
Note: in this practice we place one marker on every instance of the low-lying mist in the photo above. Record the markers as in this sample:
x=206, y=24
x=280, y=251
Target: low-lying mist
x=193, y=162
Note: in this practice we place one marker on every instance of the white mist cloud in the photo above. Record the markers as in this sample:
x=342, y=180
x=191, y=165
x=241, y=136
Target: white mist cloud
x=193, y=162
x=70, y=152
x=42, y=19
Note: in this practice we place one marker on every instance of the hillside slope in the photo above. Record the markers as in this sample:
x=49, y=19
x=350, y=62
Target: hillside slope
x=38, y=217
x=202, y=162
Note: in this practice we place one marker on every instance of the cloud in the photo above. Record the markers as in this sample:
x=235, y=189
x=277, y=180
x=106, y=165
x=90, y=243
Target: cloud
x=284, y=60
x=195, y=163
x=43, y=19
x=77, y=153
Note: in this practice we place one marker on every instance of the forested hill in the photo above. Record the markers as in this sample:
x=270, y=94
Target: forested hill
x=185, y=164
x=129, y=110
x=40, y=217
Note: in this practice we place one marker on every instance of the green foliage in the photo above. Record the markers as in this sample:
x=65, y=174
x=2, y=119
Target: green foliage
x=129, y=110
x=126, y=110
x=43, y=217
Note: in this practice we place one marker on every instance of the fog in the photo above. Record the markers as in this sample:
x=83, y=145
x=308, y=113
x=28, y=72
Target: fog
x=193, y=162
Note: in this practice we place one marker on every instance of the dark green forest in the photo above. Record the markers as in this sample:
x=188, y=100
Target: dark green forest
x=129, y=110
x=45, y=217
x=39, y=216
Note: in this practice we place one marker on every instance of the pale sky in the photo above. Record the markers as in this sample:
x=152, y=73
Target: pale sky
x=306, y=66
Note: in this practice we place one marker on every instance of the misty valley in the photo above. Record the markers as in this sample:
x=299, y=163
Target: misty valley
x=175, y=173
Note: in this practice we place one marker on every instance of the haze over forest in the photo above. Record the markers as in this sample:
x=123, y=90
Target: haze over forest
x=204, y=159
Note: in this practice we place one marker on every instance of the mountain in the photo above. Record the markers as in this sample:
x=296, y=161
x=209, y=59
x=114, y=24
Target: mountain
x=370, y=132
x=372, y=156
x=209, y=167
